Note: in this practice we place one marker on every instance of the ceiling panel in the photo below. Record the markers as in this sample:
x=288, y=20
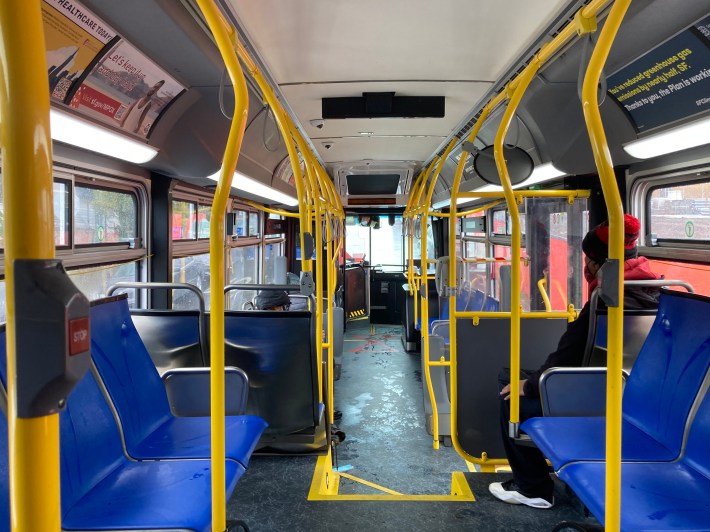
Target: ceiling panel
x=453, y=48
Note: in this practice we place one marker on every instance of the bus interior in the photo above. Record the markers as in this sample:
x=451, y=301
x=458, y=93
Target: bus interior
x=416, y=179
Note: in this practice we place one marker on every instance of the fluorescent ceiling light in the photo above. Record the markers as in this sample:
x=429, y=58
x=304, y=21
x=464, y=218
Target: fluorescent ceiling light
x=247, y=184
x=541, y=173
x=676, y=139
x=447, y=202
x=70, y=130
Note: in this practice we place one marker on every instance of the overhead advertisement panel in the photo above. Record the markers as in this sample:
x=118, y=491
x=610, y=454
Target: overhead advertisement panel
x=669, y=83
x=74, y=37
x=127, y=90
x=100, y=74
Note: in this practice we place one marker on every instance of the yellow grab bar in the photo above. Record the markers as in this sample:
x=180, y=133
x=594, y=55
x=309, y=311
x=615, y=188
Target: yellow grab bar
x=29, y=234
x=223, y=33
x=605, y=167
x=541, y=286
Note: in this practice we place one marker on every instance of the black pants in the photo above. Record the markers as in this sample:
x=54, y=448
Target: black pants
x=530, y=470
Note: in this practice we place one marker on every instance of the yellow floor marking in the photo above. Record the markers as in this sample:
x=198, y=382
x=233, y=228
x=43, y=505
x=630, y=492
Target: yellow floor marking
x=326, y=482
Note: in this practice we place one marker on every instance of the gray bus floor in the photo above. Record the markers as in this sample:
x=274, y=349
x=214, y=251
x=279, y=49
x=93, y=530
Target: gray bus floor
x=380, y=396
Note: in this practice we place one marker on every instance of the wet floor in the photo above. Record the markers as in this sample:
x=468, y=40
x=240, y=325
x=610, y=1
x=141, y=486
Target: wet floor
x=380, y=396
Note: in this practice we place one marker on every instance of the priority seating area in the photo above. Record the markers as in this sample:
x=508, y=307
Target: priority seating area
x=141, y=469
x=665, y=428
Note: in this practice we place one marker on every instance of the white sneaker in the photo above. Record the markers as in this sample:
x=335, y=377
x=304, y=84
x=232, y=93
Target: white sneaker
x=507, y=492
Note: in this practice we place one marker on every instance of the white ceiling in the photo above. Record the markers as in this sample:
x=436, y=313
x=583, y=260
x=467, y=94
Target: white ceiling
x=329, y=48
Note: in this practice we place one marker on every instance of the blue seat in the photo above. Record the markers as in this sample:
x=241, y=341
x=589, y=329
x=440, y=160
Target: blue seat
x=655, y=496
x=277, y=352
x=101, y=489
x=491, y=305
x=658, y=396
x=149, y=428
x=475, y=304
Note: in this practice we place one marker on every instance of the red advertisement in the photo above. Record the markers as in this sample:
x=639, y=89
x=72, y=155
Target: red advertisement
x=126, y=90
x=95, y=100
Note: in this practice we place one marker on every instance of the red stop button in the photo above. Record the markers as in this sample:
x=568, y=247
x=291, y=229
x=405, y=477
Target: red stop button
x=79, y=338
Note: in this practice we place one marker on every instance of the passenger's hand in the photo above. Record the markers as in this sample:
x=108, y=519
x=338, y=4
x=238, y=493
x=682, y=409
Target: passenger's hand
x=506, y=390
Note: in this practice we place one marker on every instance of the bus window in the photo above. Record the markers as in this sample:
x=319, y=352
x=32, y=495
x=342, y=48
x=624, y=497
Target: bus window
x=243, y=269
x=103, y=216
x=95, y=281
x=681, y=212
x=271, y=251
x=387, y=247
x=62, y=213
x=184, y=215
x=679, y=217
x=254, y=225
x=194, y=269
x=357, y=240
x=417, y=251
x=203, y=221
x=241, y=223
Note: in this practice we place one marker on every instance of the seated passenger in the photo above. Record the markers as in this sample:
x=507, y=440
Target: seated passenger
x=531, y=484
x=272, y=300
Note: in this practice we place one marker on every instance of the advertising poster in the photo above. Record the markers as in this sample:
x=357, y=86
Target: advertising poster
x=126, y=90
x=74, y=36
x=669, y=83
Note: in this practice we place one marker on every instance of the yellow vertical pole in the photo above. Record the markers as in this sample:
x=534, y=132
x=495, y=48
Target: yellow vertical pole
x=605, y=166
x=223, y=33
x=522, y=84
x=425, y=203
x=323, y=181
x=453, y=350
x=29, y=234
x=282, y=120
x=318, y=213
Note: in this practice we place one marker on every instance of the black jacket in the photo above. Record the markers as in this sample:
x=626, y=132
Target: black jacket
x=570, y=349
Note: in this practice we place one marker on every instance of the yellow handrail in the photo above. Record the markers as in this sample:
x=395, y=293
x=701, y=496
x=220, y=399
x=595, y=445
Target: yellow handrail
x=224, y=35
x=425, y=307
x=269, y=210
x=580, y=25
x=612, y=198
x=542, y=287
x=29, y=234
x=304, y=207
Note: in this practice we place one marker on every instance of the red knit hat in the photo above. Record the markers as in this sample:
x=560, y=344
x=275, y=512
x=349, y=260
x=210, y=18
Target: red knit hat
x=596, y=244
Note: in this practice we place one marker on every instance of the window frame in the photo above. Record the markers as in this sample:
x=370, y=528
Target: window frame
x=641, y=185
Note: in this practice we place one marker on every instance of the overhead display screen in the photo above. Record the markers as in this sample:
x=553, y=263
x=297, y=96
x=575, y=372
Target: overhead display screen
x=669, y=83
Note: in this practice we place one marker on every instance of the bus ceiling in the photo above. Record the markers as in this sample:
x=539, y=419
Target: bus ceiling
x=451, y=66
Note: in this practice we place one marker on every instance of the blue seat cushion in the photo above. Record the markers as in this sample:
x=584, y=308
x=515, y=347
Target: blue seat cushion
x=657, y=496
x=189, y=437
x=147, y=495
x=574, y=439
x=150, y=430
